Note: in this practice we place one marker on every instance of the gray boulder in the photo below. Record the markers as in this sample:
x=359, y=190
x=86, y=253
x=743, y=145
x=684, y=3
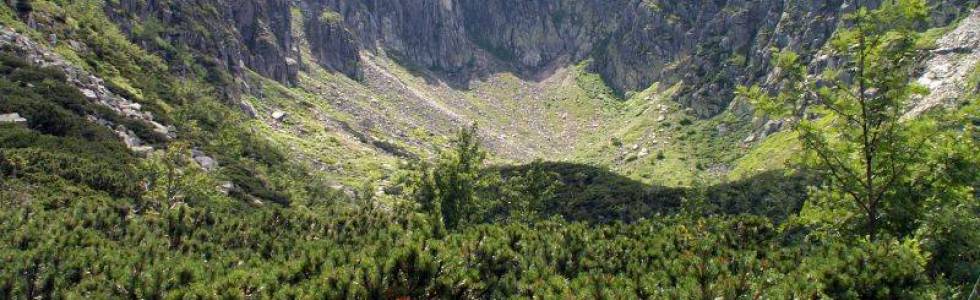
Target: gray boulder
x=248, y=109
x=206, y=162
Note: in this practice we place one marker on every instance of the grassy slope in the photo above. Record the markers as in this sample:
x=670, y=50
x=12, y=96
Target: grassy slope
x=257, y=155
x=573, y=116
x=654, y=140
x=329, y=116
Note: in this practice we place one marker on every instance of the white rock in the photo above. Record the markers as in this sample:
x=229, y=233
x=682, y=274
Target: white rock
x=226, y=187
x=159, y=128
x=946, y=71
x=89, y=93
x=134, y=106
x=141, y=149
x=12, y=118
x=279, y=115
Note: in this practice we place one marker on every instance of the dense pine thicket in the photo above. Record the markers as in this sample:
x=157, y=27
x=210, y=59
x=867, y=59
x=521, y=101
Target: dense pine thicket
x=83, y=217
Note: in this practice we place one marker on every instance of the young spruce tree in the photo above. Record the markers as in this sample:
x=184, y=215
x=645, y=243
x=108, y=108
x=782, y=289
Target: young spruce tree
x=848, y=117
x=448, y=189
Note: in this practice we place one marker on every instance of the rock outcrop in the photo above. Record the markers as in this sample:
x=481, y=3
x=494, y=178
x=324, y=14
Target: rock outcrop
x=231, y=34
x=333, y=44
x=955, y=57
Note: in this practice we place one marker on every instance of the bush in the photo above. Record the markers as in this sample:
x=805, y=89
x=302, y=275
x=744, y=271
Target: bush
x=888, y=269
x=252, y=185
x=24, y=6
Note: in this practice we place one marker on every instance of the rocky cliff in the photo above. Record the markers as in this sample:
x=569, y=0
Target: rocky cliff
x=230, y=34
x=707, y=46
x=947, y=71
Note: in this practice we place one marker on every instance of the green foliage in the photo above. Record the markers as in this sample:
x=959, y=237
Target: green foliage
x=59, y=142
x=171, y=177
x=525, y=194
x=99, y=247
x=881, y=174
x=897, y=267
x=594, y=84
x=858, y=143
x=449, y=188
x=947, y=182
x=329, y=16
x=685, y=122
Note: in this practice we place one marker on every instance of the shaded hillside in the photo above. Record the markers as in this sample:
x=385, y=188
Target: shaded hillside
x=594, y=194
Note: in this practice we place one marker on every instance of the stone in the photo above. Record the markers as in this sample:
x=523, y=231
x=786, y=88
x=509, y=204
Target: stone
x=12, y=118
x=129, y=138
x=88, y=85
x=206, y=162
x=772, y=126
x=89, y=93
x=130, y=113
x=248, y=109
x=141, y=149
x=159, y=128
x=226, y=187
x=279, y=115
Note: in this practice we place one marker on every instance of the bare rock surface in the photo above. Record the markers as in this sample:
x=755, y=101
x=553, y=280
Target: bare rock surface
x=955, y=57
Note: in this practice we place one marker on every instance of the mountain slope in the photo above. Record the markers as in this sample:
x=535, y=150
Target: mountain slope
x=363, y=80
x=311, y=149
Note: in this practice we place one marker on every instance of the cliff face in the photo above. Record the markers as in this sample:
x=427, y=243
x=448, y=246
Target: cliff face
x=230, y=34
x=708, y=46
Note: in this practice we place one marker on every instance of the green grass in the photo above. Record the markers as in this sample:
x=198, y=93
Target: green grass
x=771, y=154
